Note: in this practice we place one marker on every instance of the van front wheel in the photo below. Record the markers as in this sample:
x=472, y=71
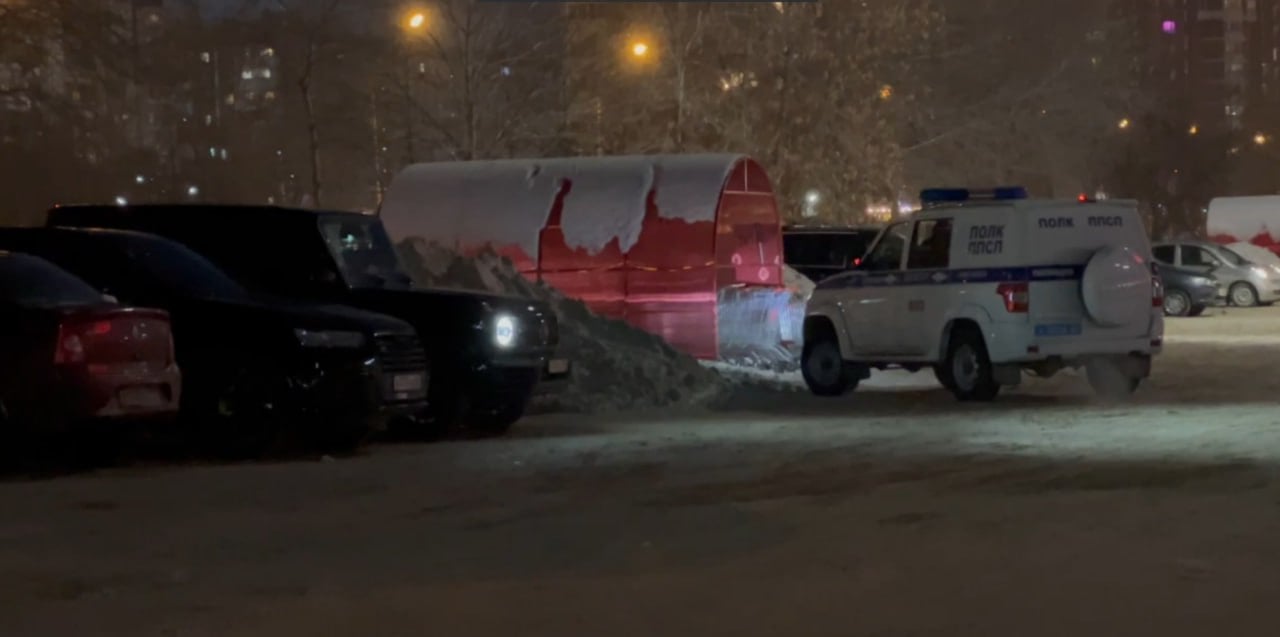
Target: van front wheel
x=824, y=368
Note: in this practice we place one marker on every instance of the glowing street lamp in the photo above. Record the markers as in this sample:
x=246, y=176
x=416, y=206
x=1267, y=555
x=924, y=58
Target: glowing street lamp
x=1125, y=124
x=1194, y=130
x=416, y=21
x=1260, y=139
x=640, y=49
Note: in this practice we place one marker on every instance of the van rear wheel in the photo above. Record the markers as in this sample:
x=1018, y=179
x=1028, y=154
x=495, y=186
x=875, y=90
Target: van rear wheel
x=1110, y=380
x=968, y=367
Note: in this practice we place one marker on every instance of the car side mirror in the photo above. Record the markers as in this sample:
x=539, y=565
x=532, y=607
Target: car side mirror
x=110, y=298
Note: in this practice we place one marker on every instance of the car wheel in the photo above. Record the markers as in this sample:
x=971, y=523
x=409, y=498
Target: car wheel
x=1109, y=380
x=969, y=367
x=1176, y=303
x=1243, y=295
x=245, y=416
x=1197, y=310
x=824, y=368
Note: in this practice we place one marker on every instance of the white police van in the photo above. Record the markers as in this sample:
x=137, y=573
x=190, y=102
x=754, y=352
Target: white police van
x=982, y=285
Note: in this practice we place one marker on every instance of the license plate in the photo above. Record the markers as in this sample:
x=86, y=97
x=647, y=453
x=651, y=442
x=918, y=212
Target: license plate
x=406, y=382
x=557, y=366
x=141, y=397
x=1058, y=329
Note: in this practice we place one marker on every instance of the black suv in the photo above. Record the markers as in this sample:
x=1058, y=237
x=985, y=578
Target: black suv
x=821, y=251
x=256, y=371
x=487, y=352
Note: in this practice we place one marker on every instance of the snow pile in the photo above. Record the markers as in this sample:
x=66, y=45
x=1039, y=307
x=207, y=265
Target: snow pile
x=616, y=367
x=763, y=328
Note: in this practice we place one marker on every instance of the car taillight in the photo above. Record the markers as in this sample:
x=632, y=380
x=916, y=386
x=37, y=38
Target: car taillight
x=1016, y=296
x=72, y=336
x=70, y=347
x=857, y=261
x=1157, y=293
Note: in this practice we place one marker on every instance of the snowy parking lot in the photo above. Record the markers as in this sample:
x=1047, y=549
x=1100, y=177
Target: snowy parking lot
x=892, y=511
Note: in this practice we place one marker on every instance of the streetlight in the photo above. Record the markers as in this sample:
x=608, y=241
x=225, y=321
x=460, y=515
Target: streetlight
x=640, y=49
x=415, y=20
x=1194, y=130
x=1124, y=124
x=1260, y=139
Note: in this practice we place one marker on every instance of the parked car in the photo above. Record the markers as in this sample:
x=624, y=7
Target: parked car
x=822, y=251
x=1248, y=283
x=488, y=353
x=257, y=370
x=72, y=355
x=1188, y=293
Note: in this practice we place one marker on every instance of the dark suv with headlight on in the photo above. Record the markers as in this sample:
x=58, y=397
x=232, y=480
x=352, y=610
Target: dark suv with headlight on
x=259, y=372
x=488, y=353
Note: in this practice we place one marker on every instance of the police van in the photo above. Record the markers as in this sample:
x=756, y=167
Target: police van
x=981, y=286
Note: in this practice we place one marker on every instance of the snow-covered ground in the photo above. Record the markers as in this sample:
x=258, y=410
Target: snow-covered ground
x=892, y=511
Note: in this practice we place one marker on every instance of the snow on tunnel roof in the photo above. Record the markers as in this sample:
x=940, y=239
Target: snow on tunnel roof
x=508, y=202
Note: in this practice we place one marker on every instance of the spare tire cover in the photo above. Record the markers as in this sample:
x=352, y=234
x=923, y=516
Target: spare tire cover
x=1117, y=287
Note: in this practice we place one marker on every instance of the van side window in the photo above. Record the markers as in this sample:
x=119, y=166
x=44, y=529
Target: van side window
x=1163, y=254
x=931, y=245
x=889, y=250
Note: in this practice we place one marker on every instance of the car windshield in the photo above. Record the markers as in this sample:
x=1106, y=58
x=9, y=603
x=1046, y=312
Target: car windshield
x=835, y=249
x=35, y=283
x=182, y=271
x=364, y=253
x=1232, y=257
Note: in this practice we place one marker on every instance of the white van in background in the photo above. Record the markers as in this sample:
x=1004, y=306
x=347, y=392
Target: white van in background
x=982, y=285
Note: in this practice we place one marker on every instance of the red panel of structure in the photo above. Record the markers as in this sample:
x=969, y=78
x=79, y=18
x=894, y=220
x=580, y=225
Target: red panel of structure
x=670, y=281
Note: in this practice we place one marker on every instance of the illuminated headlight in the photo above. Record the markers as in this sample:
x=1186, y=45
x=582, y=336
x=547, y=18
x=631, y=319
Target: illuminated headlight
x=504, y=331
x=332, y=339
x=1261, y=271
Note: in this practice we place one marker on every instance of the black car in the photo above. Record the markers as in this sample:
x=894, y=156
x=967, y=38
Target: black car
x=255, y=369
x=1187, y=292
x=821, y=251
x=488, y=353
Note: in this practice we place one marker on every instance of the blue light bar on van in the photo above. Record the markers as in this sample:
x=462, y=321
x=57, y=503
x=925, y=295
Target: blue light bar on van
x=951, y=195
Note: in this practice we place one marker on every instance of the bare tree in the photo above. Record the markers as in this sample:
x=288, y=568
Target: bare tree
x=1018, y=91
x=478, y=79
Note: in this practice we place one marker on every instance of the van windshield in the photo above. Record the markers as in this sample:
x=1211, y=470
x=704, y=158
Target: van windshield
x=364, y=253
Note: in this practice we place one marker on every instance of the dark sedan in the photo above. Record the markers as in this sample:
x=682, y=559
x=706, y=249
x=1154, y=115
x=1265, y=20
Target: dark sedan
x=72, y=355
x=258, y=371
x=1186, y=292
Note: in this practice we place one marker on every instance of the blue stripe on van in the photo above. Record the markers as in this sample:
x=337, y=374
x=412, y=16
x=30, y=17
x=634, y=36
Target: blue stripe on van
x=951, y=277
